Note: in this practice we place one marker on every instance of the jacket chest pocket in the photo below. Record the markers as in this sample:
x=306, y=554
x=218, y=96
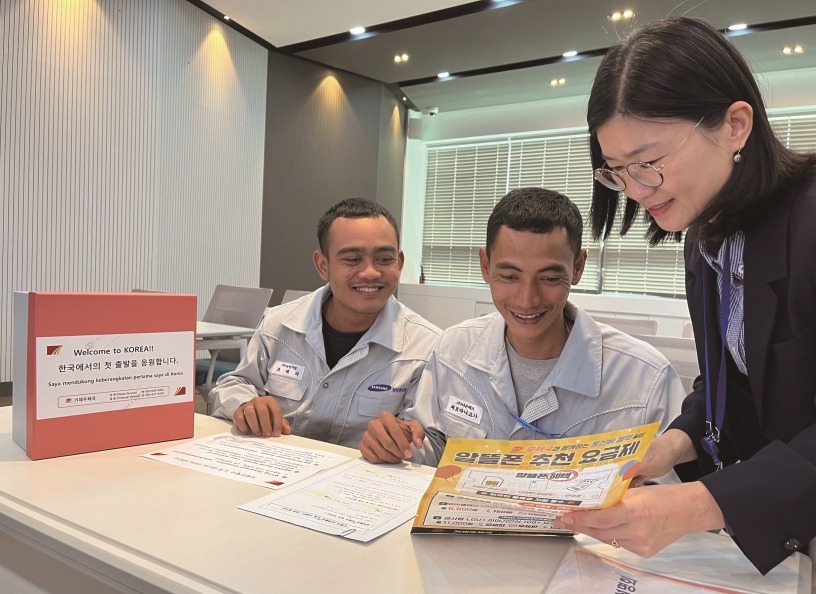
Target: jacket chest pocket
x=370, y=405
x=453, y=427
x=286, y=389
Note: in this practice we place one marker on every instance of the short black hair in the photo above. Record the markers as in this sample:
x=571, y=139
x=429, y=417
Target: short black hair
x=683, y=68
x=351, y=208
x=538, y=210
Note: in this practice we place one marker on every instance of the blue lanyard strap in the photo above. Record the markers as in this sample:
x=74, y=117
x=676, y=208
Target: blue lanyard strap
x=711, y=440
x=525, y=424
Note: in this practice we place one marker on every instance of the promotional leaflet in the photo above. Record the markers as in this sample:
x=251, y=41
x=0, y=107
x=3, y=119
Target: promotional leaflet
x=511, y=487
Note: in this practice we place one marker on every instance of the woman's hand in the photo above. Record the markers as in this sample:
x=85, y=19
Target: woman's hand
x=665, y=452
x=650, y=518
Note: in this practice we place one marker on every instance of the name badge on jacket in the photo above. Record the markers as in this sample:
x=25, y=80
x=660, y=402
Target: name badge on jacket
x=464, y=410
x=287, y=370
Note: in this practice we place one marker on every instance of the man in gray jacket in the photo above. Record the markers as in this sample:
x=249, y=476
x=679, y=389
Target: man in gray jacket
x=539, y=367
x=326, y=364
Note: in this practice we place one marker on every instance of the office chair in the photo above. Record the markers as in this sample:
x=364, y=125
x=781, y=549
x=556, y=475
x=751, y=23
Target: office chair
x=681, y=353
x=292, y=294
x=232, y=306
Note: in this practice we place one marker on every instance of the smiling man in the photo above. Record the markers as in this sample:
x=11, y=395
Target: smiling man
x=326, y=364
x=539, y=367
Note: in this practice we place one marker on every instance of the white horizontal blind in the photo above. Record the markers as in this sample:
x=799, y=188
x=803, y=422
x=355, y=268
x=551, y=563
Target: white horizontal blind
x=560, y=163
x=464, y=182
x=796, y=131
x=631, y=266
x=462, y=186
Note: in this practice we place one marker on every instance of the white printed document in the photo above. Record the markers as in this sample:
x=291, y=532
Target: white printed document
x=701, y=563
x=357, y=500
x=261, y=461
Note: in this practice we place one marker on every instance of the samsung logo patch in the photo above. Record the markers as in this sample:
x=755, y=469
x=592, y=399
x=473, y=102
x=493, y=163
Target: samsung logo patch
x=379, y=388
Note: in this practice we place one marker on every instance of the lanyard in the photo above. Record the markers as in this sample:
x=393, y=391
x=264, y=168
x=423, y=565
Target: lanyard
x=711, y=440
x=525, y=424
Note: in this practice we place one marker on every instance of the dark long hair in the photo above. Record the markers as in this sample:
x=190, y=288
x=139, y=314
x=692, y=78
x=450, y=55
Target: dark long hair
x=683, y=68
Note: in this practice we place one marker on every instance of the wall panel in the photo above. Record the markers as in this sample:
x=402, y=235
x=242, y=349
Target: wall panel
x=330, y=135
x=131, y=150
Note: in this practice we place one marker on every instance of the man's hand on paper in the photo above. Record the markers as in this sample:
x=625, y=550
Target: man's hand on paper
x=388, y=439
x=261, y=416
x=649, y=519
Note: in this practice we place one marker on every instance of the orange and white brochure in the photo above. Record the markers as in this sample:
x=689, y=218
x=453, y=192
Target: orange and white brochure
x=520, y=487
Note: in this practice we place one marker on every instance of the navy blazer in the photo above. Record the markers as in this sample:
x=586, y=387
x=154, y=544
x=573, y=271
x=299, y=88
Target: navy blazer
x=769, y=498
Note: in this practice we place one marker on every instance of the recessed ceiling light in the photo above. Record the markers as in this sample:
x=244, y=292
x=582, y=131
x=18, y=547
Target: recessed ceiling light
x=226, y=17
x=557, y=82
x=621, y=15
x=405, y=98
x=357, y=30
x=443, y=74
x=738, y=27
x=570, y=54
x=399, y=58
x=797, y=49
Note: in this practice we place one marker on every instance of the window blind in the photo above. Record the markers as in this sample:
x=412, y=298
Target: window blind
x=465, y=180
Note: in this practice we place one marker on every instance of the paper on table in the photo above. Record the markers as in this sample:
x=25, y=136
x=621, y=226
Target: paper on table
x=697, y=563
x=357, y=500
x=260, y=461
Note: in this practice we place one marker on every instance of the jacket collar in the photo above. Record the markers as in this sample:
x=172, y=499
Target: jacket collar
x=579, y=365
x=307, y=318
x=766, y=261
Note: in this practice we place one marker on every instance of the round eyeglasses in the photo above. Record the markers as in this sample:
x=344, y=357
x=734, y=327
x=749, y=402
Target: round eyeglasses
x=643, y=173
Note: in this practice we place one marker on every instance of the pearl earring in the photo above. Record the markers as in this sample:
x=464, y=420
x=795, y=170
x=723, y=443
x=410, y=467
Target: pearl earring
x=738, y=157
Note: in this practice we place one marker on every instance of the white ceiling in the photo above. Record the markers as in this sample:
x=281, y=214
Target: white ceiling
x=500, y=34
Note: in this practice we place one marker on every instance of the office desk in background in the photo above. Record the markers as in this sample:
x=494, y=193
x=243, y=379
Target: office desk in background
x=115, y=522
x=215, y=337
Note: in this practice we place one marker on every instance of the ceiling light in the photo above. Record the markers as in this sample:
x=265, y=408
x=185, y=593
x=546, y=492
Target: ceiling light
x=738, y=27
x=618, y=15
x=570, y=54
x=357, y=30
x=797, y=49
x=443, y=74
x=557, y=82
x=405, y=98
x=226, y=17
x=399, y=58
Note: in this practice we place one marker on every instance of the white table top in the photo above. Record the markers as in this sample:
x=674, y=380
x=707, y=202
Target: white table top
x=213, y=330
x=157, y=526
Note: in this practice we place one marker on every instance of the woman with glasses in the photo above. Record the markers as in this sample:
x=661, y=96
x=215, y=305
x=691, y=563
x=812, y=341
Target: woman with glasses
x=678, y=130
